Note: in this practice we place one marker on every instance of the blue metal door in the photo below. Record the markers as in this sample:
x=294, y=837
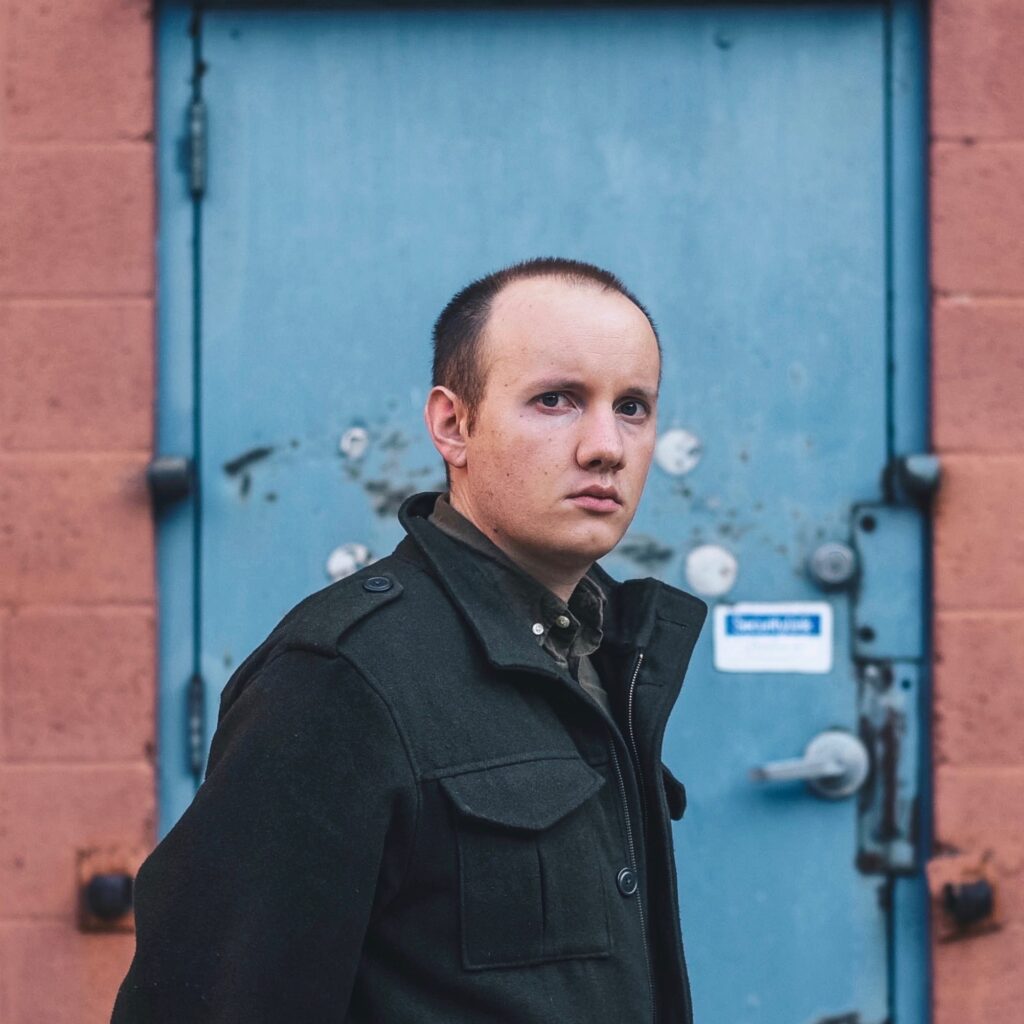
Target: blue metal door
x=752, y=173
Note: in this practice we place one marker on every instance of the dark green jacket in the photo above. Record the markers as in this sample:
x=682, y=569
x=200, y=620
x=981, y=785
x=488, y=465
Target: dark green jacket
x=411, y=815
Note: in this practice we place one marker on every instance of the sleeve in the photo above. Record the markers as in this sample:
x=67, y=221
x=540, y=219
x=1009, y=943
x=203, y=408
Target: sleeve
x=254, y=907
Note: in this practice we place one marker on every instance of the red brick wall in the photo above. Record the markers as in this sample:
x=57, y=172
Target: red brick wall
x=77, y=643
x=977, y=168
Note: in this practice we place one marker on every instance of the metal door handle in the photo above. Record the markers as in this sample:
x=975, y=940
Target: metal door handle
x=835, y=764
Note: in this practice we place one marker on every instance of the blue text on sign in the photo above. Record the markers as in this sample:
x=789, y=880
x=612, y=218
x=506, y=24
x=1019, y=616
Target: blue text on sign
x=772, y=625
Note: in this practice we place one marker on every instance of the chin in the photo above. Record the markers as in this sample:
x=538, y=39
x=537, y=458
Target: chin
x=593, y=542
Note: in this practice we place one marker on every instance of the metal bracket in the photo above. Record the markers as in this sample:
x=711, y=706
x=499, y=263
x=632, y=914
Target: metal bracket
x=888, y=638
x=887, y=804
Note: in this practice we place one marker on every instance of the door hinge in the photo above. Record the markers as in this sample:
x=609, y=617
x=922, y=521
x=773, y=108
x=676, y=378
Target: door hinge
x=197, y=148
x=195, y=725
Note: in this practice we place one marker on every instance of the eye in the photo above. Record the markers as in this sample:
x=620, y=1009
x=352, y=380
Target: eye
x=633, y=408
x=551, y=399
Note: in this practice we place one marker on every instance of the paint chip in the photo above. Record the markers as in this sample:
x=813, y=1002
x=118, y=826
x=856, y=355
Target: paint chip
x=677, y=451
x=711, y=570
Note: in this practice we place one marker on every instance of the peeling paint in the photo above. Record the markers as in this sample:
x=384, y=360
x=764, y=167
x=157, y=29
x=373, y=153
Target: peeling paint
x=236, y=465
x=711, y=570
x=347, y=559
x=677, y=451
x=645, y=551
x=354, y=442
x=395, y=441
x=387, y=497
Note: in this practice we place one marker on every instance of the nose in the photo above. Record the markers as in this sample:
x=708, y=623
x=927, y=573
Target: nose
x=600, y=440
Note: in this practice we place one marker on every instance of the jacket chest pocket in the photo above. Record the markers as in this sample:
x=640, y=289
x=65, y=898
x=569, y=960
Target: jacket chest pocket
x=531, y=881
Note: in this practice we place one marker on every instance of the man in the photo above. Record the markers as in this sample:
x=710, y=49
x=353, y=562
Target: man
x=436, y=792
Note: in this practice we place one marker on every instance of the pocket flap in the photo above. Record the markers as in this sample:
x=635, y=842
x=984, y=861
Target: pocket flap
x=529, y=795
x=675, y=794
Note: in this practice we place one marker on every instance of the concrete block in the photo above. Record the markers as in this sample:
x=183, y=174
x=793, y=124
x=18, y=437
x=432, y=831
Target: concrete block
x=978, y=218
x=52, y=974
x=979, y=533
x=977, y=68
x=80, y=685
x=48, y=814
x=77, y=375
x=75, y=528
x=77, y=221
x=79, y=70
x=978, y=978
x=978, y=375
x=979, y=704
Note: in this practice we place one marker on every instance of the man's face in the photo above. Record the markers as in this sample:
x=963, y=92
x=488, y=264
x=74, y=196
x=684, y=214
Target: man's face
x=563, y=437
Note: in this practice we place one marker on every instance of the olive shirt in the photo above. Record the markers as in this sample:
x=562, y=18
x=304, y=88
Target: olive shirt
x=570, y=633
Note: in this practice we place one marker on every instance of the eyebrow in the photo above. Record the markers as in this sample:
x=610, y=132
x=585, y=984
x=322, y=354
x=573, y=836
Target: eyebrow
x=552, y=384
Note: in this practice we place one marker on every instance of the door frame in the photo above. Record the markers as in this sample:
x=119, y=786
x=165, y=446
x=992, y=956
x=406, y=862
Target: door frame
x=178, y=46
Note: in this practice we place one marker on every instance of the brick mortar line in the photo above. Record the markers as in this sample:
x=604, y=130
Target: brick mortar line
x=970, y=453
x=89, y=453
x=941, y=294
x=965, y=142
x=962, y=299
x=961, y=453
x=55, y=606
x=143, y=145
x=62, y=919
x=22, y=767
x=79, y=296
x=77, y=452
x=1010, y=771
x=44, y=301
x=979, y=613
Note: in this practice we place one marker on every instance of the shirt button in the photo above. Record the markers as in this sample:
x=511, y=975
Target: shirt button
x=626, y=880
x=538, y=628
x=377, y=584
x=563, y=622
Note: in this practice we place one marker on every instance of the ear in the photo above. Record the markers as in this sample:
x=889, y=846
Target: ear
x=446, y=416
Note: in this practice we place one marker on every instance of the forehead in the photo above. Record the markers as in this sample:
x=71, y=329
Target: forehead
x=552, y=321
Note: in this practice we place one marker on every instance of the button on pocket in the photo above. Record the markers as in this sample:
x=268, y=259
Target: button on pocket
x=531, y=882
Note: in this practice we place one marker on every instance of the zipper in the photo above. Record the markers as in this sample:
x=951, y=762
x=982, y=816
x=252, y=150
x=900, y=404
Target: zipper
x=632, y=737
x=629, y=827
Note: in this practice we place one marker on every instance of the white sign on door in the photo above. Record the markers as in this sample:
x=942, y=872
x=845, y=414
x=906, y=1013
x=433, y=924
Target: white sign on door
x=773, y=636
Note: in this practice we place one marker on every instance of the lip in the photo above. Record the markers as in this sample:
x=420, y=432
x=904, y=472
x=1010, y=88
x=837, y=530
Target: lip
x=597, y=499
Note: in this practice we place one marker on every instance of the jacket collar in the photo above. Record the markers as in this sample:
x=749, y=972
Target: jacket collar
x=633, y=608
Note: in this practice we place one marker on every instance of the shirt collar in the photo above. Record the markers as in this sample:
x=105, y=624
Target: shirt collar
x=633, y=610
x=564, y=629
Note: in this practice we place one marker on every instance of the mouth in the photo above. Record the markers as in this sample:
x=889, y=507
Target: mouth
x=597, y=499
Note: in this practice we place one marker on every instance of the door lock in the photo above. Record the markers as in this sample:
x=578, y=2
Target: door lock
x=833, y=566
x=835, y=764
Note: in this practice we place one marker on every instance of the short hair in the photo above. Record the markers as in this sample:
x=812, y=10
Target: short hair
x=459, y=329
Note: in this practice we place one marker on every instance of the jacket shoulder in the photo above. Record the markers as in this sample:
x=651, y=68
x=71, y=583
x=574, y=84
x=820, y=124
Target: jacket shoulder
x=319, y=621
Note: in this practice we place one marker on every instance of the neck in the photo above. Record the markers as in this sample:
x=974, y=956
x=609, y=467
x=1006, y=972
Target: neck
x=560, y=579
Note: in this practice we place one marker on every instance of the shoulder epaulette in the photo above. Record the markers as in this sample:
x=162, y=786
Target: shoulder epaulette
x=318, y=622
